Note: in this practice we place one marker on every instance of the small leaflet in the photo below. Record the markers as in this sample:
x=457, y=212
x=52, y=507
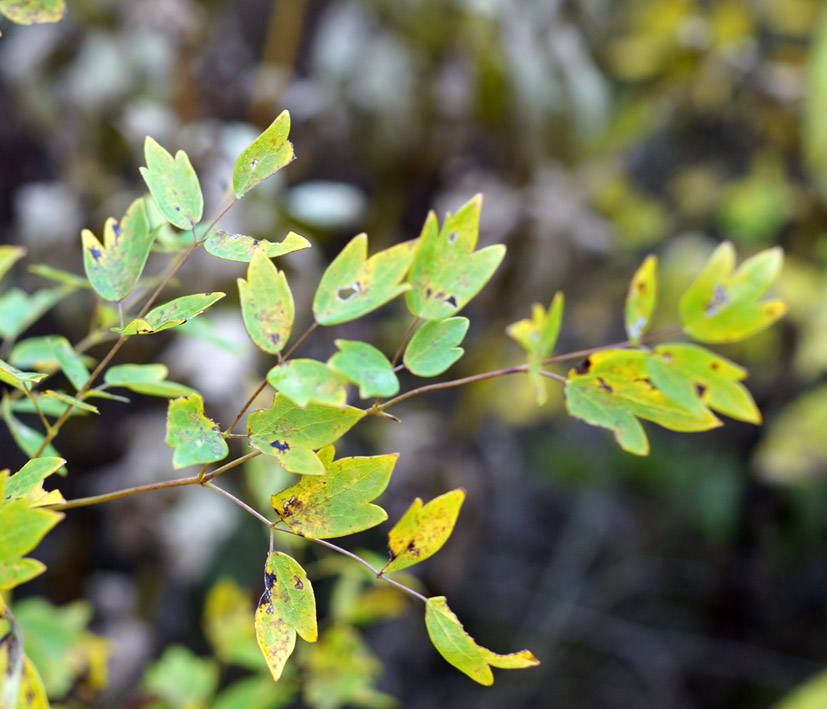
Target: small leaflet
x=27, y=439
x=195, y=438
x=17, y=378
x=148, y=379
x=171, y=314
x=640, y=300
x=365, y=366
x=173, y=184
x=337, y=503
x=447, y=273
x=287, y=607
x=354, y=285
x=28, y=12
x=307, y=381
x=538, y=336
x=18, y=571
x=266, y=304
x=422, y=530
x=612, y=389
x=27, y=483
x=265, y=156
x=114, y=266
x=724, y=305
x=434, y=346
x=10, y=255
x=70, y=400
x=69, y=360
x=460, y=649
x=293, y=434
x=238, y=247
x=22, y=527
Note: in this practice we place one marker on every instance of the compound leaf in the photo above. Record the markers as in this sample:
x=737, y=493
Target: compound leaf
x=433, y=348
x=308, y=381
x=640, y=300
x=723, y=305
x=353, y=285
x=460, y=649
x=292, y=434
x=171, y=314
x=194, y=437
x=446, y=272
x=337, y=503
x=173, y=185
x=423, y=530
x=366, y=367
x=265, y=156
x=113, y=267
x=266, y=304
x=149, y=379
x=28, y=12
x=238, y=247
x=613, y=387
x=287, y=607
x=537, y=336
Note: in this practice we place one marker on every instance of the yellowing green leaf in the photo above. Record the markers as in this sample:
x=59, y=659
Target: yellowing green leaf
x=28, y=12
x=640, y=301
x=433, y=348
x=337, y=503
x=422, y=530
x=149, y=379
x=173, y=184
x=307, y=381
x=227, y=612
x=446, y=272
x=17, y=378
x=365, y=366
x=723, y=305
x=287, y=607
x=27, y=483
x=267, y=154
x=292, y=434
x=460, y=650
x=113, y=267
x=266, y=304
x=537, y=336
x=613, y=387
x=196, y=438
x=238, y=247
x=9, y=255
x=175, y=312
x=20, y=687
x=22, y=527
x=67, y=399
x=812, y=694
x=18, y=571
x=353, y=285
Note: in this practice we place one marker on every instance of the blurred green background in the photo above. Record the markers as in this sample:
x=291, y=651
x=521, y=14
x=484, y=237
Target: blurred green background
x=598, y=131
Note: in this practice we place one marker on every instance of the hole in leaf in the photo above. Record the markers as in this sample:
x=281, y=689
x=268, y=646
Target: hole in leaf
x=298, y=585
x=719, y=301
x=116, y=230
x=453, y=237
x=584, y=366
x=348, y=292
x=254, y=164
x=451, y=301
x=96, y=254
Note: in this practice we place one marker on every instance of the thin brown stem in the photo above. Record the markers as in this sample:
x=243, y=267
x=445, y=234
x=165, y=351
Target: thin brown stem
x=119, y=494
x=615, y=345
x=246, y=406
x=398, y=353
x=300, y=340
x=31, y=398
x=229, y=466
x=240, y=503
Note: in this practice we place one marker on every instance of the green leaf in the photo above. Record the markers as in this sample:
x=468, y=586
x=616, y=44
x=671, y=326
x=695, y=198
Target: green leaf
x=447, y=273
x=640, y=300
x=537, y=336
x=308, y=381
x=58, y=275
x=196, y=438
x=723, y=305
x=181, y=679
x=237, y=247
x=28, y=481
x=265, y=156
x=37, y=353
x=613, y=387
x=337, y=503
x=27, y=12
x=433, y=348
x=146, y=379
x=287, y=607
x=18, y=310
x=24, y=690
x=692, y=375
x=227, y=612
x=366, y=367
x=114, y=266
x=27, y=439
x=266, y=304
x=18, y=379
x=70, y=400
x=292, y=434
x=460, y=650
x=171, y=314
x=812, y=694
x=9, y=255
x=18, y=571
x=69, y=360
x=354, y=285
x=173, y=184
x=22, y=527
x=422, y=530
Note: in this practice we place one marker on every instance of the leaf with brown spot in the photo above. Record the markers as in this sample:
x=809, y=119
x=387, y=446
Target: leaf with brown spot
x=266, y=304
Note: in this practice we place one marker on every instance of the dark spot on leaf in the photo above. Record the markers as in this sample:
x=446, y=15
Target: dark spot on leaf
x=116, y=229
x=646, y=381
x=701, y=389
x=291, y=506
x=177, y=208
x=453, y=237
x=298, y=585
x=269, y=610
x=274, y=338
x=584, y=366
x=280, y=446
x=411, y=549
x=640, y=287
x=348, y=292
x=714, y=366
x=255, y=242
x=96, y=254
x=605, y=387
x=265, y=599
x=667, y=357
x=269, y=582
x=451, y=301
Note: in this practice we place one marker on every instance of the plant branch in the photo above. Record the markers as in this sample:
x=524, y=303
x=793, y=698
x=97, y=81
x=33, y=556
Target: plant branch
x=229, y=466
x=119, y=494
x=240, y=503
x=246, y=406
x=300, y=340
